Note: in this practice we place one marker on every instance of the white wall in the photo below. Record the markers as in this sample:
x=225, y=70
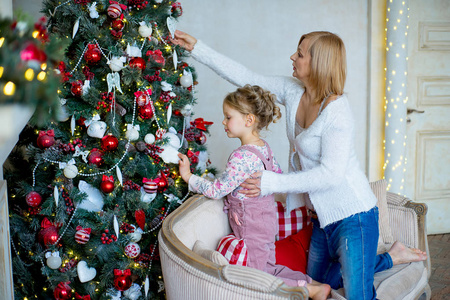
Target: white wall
x=262, y=34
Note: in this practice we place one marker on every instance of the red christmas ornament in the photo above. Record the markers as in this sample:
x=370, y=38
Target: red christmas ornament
x=139, y=215
x=48, y=234
x=109, y=143
x=32, y=52
x=114, y=10
x=176, y=10
x=137, y=62
x=77, y=88
x=63, y=291
x=33, y=199
x=107, y=185
x=82, y=235
x=95, y=157
x=163, y=183
x=117, y=24
x=46, y=139
x=122, y=279
x=200, y=139
x=93, y=55
x=157, y=57
x=146, y=111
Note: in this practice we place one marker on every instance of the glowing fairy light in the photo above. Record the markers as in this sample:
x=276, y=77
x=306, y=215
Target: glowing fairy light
x=395, y=108
x=9, y=89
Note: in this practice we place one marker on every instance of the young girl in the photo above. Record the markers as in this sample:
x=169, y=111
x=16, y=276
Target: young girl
x=246, y=111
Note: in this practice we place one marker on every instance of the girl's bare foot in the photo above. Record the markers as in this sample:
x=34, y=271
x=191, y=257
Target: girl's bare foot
x=401, y=254
x=318, y=291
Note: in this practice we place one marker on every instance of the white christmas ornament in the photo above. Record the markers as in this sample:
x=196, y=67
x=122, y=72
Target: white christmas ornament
x=62, y=115
x=172, y=26
x=134, y=292
x=186, y=80
x=75, y=27
x=119, y=175
x=147, y=197
x=175, y=59
x=132, y=132
x=187, y=110
x=145, y=30
x=86, y=87
x=116, y=63
x=70, y=171
x=149, y=138
x=113, y=80
x=85, y=273
x=202, y=160
x=94, y=200
x=170, y=149
x=93, y=11
x=72, y=125
x=116, y=226
x=132, y=250
x=165, y=86
x=56, y=194
x=97, y=129
x=136, y=236
x=133, y=51
x=147, y=285
x=53, y=260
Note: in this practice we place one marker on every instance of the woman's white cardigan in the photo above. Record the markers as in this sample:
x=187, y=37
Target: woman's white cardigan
x=329, y=172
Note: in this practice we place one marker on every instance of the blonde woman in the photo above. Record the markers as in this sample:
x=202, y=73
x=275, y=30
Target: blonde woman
x=324, y=172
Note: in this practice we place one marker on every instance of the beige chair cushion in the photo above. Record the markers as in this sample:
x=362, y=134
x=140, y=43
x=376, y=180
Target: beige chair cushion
x=211, y=255
x=379, y=189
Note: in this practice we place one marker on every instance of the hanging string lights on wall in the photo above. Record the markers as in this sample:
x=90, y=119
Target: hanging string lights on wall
x=396, y=94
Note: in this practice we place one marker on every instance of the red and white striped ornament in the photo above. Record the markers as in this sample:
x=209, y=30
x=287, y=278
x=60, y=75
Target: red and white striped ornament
x=82, y=235
x=114, y=10
x=150, y=187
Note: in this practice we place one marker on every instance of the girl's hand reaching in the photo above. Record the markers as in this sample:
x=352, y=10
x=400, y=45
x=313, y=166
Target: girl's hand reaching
x=185, y=167
x=184, y=40
x=252, y=185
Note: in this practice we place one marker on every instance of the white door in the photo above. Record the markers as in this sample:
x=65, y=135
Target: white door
x=427, y=177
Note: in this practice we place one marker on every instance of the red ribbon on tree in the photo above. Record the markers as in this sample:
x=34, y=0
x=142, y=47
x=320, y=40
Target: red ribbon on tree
x=199, y=123
x=46, y=224
x=50, y=132
x=108, y=178
x=193, y=156
x=79, y=297
x=118, y=272
x=139, y=93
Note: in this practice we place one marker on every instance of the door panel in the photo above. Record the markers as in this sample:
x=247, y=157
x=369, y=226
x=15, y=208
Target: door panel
x=427, y=170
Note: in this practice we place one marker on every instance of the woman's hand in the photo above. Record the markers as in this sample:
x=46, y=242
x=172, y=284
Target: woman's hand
x=184, y=40
x=185, y=167
x=252, y=185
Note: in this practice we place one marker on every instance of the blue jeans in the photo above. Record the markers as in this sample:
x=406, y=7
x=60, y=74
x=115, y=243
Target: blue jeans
x=344, y=254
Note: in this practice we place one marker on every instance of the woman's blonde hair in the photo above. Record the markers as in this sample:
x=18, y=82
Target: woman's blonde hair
x=328, y=63
x=257, y=101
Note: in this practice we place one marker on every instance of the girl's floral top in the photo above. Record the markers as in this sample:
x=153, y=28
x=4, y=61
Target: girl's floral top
x=241, y=164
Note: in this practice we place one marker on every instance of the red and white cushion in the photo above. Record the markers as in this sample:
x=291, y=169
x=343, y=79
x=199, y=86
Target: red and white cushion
x=290, y=223
x=233, y=249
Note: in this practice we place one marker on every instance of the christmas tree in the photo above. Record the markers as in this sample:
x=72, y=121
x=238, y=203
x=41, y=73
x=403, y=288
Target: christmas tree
x=87, y=202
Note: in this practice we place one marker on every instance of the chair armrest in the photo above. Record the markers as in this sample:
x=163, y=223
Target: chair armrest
x=408, y=222
x=257, y=280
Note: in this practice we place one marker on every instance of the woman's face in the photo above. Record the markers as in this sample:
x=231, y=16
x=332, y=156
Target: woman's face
x=301, y=61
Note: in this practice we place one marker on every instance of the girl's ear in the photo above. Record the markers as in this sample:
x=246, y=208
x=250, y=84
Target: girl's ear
x=251, y=119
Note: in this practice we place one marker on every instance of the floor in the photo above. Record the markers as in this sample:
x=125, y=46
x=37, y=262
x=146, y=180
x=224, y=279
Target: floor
x=439, y=250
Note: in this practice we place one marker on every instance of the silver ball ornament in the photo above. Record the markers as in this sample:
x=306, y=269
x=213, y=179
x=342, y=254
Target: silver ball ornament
x=54, y=262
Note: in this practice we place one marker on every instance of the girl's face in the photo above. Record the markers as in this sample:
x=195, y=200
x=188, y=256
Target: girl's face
x=234, y=122
x=301, y=61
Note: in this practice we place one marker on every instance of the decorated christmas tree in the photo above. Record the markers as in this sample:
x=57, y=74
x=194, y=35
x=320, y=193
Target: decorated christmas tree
x=87, y=203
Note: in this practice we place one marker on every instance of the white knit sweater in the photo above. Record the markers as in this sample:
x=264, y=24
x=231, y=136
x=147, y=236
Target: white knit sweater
x=325, y=164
